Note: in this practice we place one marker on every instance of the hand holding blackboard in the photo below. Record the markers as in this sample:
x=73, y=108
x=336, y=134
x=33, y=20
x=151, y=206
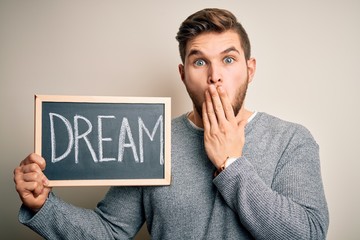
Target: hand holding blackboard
x=31, y=183
x=103, y=140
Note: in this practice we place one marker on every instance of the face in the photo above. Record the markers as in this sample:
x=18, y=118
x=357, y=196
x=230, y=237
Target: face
x=216, y=58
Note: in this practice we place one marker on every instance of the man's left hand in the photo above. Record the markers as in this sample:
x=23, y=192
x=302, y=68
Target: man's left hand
x=223, y=133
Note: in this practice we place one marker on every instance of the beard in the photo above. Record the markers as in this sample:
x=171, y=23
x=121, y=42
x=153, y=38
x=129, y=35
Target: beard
x=236, y=104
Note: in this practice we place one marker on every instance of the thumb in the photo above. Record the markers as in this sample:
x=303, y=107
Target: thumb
x=242, y=123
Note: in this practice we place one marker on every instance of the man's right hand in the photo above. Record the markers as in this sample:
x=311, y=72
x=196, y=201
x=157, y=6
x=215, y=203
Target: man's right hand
x=31, y=183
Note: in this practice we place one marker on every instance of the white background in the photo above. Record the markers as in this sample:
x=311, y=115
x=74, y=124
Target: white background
x=308, y=72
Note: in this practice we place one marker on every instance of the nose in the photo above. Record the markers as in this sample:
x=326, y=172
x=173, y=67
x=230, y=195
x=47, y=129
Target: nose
x=214, y=75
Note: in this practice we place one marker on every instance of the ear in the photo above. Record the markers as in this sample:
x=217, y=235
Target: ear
x=182, y=72
x=251, y=66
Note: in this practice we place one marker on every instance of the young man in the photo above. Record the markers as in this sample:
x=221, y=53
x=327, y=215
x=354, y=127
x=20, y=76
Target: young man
x=236, y=174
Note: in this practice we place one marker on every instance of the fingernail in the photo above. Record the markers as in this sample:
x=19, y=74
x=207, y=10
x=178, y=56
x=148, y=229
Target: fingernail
x=46, y=181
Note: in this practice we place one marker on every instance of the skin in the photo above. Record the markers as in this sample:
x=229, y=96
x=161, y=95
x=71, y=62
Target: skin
x=216, y=75
x=31, y=183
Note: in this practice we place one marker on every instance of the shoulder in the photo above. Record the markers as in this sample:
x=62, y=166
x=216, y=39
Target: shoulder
x=178, y=123
x=179, y=119
x=182, y=124
x=275, y=126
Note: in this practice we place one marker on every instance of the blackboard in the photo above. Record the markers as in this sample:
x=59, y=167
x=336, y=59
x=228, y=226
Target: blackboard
x=94, y=140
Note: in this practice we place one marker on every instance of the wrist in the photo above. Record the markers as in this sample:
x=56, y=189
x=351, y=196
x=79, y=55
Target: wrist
x=227, y=162
x=230, y=160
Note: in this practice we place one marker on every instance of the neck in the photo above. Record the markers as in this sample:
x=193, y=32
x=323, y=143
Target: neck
x=196, y=118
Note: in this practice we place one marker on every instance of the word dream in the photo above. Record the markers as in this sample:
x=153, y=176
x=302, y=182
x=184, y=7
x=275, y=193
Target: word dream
x=125, y=131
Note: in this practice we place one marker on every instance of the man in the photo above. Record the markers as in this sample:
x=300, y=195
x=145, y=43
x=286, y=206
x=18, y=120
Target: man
x=236, y=174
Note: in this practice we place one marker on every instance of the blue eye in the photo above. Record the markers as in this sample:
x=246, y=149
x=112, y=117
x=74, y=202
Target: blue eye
x=228, y=60
x=199, y=62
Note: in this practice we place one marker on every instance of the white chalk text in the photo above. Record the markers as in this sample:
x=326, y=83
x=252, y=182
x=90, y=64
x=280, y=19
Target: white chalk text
x=74, y=136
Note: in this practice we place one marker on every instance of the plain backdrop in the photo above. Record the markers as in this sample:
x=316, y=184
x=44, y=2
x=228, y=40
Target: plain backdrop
x=308, y=72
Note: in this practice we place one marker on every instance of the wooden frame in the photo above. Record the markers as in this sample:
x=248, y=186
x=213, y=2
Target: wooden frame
x=40, y=99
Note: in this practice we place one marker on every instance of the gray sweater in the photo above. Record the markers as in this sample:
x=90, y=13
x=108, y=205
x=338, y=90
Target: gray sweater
x=274, y=191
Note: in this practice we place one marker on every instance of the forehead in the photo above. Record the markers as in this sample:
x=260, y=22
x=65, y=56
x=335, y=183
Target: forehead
x=214, y=43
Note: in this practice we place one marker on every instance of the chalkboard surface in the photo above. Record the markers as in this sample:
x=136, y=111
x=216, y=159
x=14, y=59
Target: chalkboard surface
x=103, y=140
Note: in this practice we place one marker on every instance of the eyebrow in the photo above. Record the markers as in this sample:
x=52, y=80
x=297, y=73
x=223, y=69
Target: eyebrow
x=198, y=52
x=194, y=52
x=230, y=49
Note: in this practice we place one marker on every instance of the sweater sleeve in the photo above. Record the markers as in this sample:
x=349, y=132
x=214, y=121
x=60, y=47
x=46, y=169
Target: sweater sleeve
x=118, y=216
x=293, y=207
